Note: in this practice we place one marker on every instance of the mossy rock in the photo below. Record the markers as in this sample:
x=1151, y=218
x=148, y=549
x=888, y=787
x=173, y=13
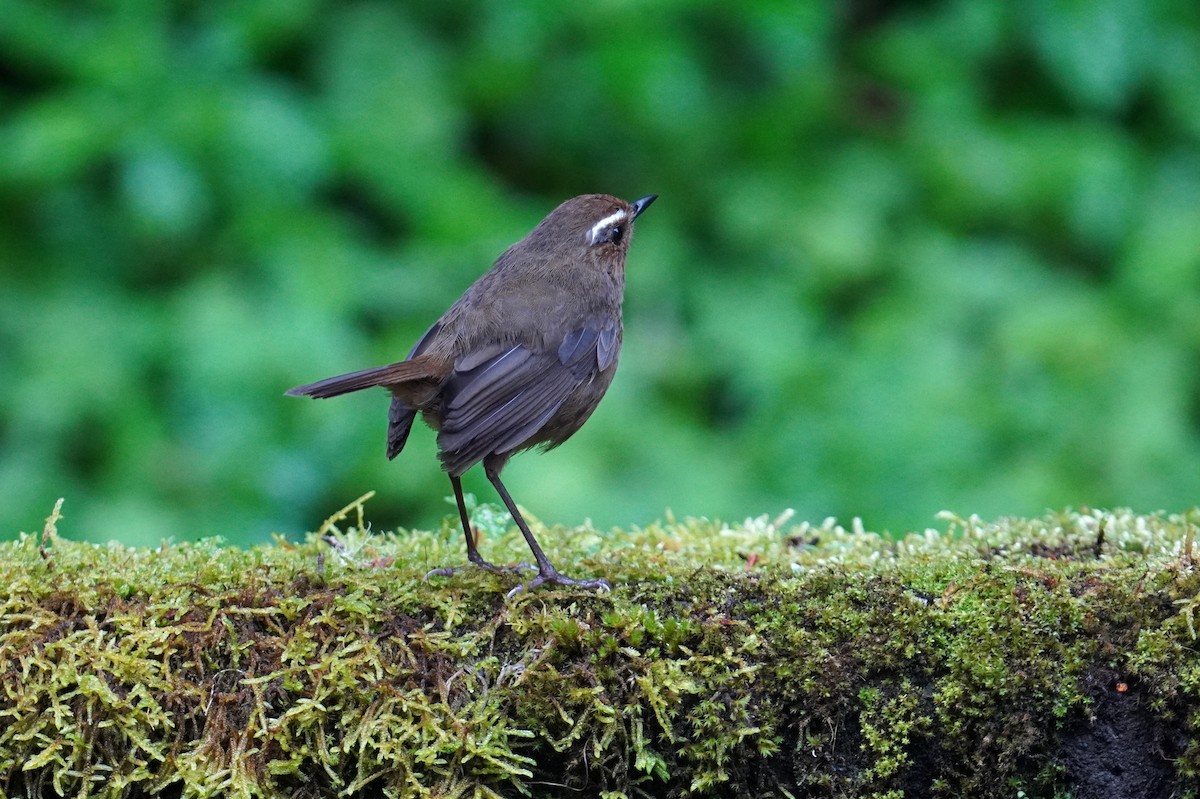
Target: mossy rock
x=1053, y=657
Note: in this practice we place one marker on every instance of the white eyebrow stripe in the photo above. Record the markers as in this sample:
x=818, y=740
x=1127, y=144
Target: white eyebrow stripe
x=615, y=216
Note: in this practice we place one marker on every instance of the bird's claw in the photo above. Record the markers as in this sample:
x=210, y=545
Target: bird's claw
x=450, y=571
x=554, y=578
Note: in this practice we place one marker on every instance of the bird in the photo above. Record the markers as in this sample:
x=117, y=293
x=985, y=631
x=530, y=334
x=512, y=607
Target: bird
x=520, y=360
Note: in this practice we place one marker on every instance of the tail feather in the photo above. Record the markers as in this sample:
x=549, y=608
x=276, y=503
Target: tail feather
x=400, y=421
x=419, y=368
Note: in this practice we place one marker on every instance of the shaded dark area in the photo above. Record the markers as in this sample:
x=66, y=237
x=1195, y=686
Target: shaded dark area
x=1124, y=749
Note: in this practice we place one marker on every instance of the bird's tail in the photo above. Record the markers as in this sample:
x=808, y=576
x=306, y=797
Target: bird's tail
x=420, y=368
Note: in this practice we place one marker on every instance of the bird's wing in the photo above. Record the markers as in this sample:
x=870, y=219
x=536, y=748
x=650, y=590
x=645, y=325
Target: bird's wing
x=498, y=397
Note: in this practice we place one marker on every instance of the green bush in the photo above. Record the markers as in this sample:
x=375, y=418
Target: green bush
x=904, y=260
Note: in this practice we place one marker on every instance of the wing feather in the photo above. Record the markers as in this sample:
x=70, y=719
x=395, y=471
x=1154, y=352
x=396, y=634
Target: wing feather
x=497, y=402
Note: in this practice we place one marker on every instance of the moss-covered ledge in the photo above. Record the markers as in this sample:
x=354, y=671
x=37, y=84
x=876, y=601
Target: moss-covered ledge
x=1053, y=657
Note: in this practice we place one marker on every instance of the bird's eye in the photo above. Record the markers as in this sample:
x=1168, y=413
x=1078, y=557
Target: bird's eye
x=610, y=228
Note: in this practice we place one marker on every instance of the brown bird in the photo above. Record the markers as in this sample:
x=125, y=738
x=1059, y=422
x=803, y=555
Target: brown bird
x=520, y=360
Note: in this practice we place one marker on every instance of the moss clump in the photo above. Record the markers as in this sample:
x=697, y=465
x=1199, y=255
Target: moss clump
x=757, y=659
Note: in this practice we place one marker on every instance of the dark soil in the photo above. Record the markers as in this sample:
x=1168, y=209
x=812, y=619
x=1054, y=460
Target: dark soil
x=1123, y=752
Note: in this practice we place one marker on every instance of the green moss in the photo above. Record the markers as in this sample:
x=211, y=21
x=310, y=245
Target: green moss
x=746, y=660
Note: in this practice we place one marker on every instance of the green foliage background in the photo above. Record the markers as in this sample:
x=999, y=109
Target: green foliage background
x=907, y=257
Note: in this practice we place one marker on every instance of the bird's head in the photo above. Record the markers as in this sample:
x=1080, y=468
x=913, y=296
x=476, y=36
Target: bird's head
x=591, y=226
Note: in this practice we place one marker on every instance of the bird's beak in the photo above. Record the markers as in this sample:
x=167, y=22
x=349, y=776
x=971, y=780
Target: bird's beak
x=642, y=205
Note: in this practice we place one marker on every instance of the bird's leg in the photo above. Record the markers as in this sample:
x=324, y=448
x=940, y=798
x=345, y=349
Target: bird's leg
x=546, y=571
x=472, y=549
x=468, y=532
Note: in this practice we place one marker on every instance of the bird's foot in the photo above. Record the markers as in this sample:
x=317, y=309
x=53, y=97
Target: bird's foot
x=552, y=577
x=450, y=571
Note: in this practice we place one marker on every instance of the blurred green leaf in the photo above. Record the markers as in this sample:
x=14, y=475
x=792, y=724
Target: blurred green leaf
x=906, y=258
